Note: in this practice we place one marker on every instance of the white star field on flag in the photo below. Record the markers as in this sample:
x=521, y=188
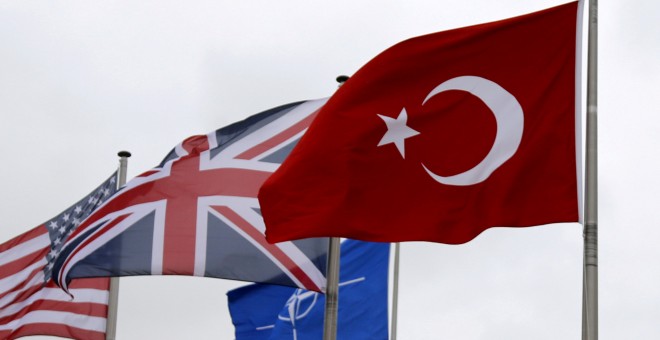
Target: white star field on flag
x=71, y=218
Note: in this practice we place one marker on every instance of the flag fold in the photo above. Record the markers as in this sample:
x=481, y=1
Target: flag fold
x=197, y=212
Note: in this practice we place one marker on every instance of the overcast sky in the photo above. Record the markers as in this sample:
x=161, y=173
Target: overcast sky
x=82, y=80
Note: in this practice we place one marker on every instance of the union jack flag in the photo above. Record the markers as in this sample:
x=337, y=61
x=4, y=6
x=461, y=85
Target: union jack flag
x=197, y=213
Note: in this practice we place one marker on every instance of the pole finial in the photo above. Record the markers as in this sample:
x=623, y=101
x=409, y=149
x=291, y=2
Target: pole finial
x=124, y=154
x=342, y=79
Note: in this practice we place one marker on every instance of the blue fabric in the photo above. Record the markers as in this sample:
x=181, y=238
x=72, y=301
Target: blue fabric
x=267, y=312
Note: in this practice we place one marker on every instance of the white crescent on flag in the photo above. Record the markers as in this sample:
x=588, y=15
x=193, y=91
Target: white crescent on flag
x=510, y=121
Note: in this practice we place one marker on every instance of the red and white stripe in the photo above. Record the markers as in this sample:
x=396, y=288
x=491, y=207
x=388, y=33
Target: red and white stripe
x=28, y=307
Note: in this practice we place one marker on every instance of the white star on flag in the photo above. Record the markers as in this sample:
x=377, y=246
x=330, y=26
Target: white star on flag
x=397, y=131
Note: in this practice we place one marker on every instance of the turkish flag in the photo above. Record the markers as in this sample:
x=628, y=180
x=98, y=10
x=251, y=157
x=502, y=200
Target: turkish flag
x=441, y=137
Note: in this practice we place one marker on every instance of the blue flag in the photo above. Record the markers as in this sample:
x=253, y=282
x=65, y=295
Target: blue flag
x=262, y=312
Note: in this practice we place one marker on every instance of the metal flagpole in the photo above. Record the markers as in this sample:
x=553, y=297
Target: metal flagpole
x=332, y=291
x=395, y=291
x=590, y=287
x=113, y=300
x=332, y=277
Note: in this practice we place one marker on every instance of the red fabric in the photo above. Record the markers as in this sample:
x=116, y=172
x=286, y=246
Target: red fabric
x=340, y=182
x=31, y=307
x=53, y=330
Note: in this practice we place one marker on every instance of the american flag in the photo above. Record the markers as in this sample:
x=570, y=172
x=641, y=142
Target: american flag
x=197, y=213
x=30, y=302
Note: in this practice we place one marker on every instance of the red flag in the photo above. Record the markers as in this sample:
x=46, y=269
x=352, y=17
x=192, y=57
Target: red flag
x=441, y=137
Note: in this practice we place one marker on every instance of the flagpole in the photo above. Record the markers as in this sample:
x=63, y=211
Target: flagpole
x=113, y=299
x=332, y=290
x=395, y=291
x=590, y=287
x=332, y=278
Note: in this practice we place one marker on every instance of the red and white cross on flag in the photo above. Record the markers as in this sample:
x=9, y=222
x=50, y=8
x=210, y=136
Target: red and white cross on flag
x=197, y=213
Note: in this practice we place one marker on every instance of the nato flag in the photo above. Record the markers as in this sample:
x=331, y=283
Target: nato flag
x=261, y=312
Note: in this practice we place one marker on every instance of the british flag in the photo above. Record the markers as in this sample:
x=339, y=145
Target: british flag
x=197, y=213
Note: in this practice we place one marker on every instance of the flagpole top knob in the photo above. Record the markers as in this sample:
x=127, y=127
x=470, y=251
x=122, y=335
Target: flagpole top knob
x=342, y=79
x=124, y=154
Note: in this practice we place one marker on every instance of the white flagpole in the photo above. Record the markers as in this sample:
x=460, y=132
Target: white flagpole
x=332, y=278
x=395, y=291
x=113, y=300
x=590, y=286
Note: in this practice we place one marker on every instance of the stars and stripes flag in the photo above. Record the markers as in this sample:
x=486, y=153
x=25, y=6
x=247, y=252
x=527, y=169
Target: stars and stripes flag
x=30, y=302
x=197, y=213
